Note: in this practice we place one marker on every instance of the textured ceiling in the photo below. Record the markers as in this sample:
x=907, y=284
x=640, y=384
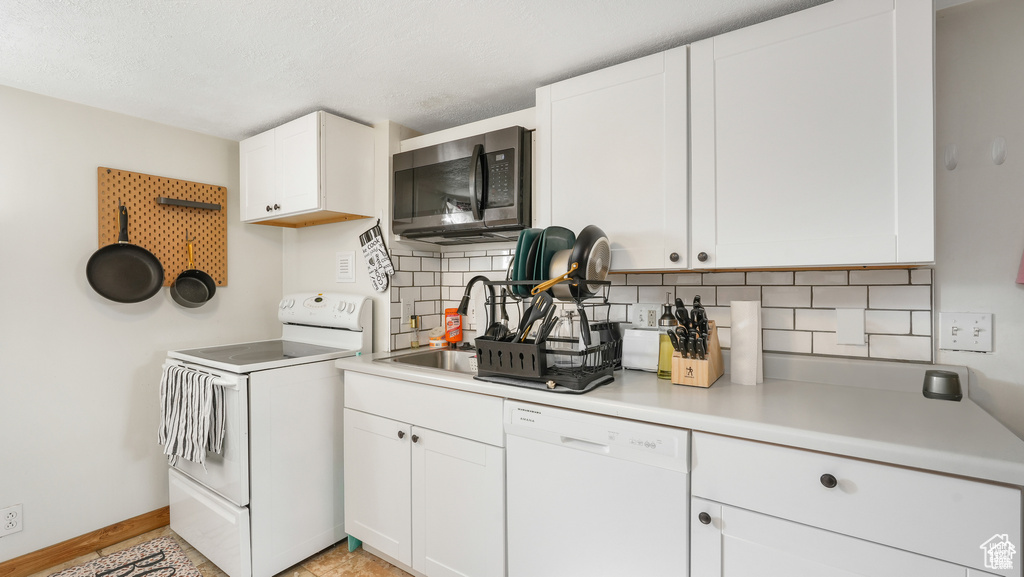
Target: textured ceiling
x=233, y=69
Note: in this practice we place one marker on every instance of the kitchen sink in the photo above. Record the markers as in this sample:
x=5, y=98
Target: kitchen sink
x=456, y=361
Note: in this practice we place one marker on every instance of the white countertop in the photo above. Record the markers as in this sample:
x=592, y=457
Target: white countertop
x=891, y=426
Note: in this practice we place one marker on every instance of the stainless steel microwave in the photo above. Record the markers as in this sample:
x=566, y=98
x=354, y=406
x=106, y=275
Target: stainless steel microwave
x=475, y=189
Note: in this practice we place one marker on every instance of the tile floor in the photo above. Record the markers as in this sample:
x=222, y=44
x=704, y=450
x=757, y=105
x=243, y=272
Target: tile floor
x=335, y=561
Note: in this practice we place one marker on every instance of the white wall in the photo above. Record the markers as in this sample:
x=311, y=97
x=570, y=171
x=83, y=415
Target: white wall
x=980, y=206
x=309, y=253
x=79, y=374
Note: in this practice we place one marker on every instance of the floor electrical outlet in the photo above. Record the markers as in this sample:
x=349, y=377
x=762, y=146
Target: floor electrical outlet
x=10, y=520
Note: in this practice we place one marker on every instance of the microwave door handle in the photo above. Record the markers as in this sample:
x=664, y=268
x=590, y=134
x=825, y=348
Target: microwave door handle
x=477, y=199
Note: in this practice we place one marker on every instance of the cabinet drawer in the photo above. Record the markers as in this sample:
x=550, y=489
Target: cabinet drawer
x=945, y=517
x=468, y=415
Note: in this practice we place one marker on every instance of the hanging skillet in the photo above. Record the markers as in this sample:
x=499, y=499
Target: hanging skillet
x=124, y=272
x=193, y=287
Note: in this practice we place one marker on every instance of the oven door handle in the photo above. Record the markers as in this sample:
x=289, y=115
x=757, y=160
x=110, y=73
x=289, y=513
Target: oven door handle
x=478, y=198
x=219, y=380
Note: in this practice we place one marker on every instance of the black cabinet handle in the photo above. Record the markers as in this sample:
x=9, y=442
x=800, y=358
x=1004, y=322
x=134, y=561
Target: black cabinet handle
x=415, y=438
x=829, y=481
x=401, y=434
x=674, y=257
x=277, y=207
x=702, y=256
x=704, y=518
x=269, y=208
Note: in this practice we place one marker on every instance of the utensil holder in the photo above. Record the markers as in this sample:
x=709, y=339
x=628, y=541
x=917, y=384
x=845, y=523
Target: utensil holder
x=528, y=361
x=700, y=372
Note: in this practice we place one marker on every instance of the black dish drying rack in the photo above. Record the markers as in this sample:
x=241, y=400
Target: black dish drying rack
x=576, y=366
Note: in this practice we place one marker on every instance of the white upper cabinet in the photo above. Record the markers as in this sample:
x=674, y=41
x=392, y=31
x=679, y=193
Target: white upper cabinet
x=313, y=170
x=612, y=151
x=812, y=139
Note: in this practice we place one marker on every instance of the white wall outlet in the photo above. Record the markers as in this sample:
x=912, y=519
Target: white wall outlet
x=646, y=315
x=10, y=520
x=407, y=311
x=965, y=332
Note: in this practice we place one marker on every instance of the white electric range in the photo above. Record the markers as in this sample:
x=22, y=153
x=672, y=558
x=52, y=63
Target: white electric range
x=275, y=496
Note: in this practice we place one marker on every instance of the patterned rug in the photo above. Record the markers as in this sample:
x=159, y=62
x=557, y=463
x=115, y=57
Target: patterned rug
x=161, y=557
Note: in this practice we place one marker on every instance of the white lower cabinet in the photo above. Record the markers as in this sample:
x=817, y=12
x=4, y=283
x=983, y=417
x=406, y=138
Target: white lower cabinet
x=762, y=509
x=458, y=506
x=734, y=542
x=378, y=479
x=433, y=500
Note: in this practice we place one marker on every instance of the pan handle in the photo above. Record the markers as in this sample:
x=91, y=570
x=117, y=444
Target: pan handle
x=584, y=325
x=552, y=282
x=122, y=224
x=191, y=256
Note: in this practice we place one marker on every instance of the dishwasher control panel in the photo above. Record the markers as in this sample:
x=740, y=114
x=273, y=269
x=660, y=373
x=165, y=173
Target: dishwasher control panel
x=655, y=444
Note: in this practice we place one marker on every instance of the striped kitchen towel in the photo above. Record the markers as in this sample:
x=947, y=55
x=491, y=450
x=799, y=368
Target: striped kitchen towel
x=191, y=415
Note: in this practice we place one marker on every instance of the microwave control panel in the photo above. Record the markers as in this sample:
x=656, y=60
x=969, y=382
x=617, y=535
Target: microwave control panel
x=501, y=178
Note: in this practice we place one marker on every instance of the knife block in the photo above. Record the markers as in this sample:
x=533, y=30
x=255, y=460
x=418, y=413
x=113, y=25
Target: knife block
x=700, y=372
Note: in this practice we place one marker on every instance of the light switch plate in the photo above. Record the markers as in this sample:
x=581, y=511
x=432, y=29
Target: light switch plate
x=965, y=332
x=406, y=310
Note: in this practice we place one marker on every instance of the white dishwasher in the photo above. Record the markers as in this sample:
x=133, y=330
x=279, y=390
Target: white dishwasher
x=591, y=495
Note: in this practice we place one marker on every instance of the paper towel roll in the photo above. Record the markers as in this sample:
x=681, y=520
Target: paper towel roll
x=746, y=368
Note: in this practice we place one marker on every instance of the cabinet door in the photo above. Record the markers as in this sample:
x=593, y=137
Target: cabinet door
x=740, y=543
x=458, y=492
x=812, y=138
x=612, y=151
x=378, y=505
x=257, y=176
x=298, y=160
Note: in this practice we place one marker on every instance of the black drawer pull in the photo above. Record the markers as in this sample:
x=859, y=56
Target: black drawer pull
x=704, y=518
x=828, y=481
x=401, y=434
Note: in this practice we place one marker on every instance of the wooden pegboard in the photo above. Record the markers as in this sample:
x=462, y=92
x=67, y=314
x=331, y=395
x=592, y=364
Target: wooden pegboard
x=160, y=228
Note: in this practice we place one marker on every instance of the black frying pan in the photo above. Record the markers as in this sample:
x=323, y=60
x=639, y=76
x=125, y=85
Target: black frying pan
x=124, y=272
x=593, y=253
x=193, y=287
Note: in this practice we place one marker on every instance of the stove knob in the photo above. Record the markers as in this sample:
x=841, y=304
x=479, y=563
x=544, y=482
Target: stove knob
x=341, y=306
x=291, y=303
x=350, y=307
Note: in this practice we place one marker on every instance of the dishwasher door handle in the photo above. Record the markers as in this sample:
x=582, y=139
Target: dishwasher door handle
x=589, y=446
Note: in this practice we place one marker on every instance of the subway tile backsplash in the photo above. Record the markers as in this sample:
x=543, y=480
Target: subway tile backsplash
x=798, y=307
